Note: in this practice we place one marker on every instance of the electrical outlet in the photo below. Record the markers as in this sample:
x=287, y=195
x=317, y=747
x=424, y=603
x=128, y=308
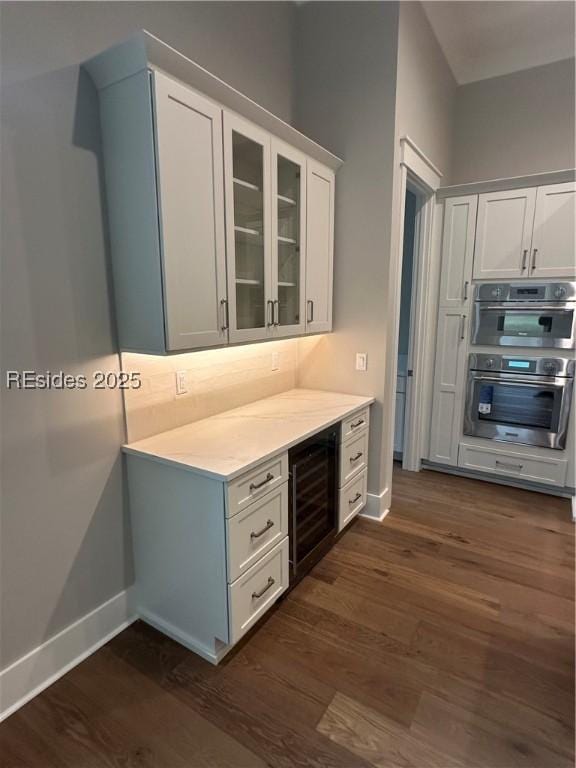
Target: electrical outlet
x=275, y=361
x=181, y=384
x=361, y=361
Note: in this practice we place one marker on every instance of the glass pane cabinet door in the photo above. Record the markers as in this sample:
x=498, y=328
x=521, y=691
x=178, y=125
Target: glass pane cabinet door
x=288, y=245
x=248, y=207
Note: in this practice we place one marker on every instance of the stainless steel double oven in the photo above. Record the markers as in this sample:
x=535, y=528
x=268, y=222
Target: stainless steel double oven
x=516, y=398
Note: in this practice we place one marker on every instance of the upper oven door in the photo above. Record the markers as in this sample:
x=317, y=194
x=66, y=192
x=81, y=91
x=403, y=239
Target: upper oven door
x=532, y=410
x=524, y=324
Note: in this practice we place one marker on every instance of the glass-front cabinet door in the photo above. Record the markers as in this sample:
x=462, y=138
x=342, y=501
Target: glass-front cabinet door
x=248, y=230
x=288, y=239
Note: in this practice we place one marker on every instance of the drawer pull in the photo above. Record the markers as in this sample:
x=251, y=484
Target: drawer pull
x=508, y=465
x=256, y=535
x=255, y=486
x=269, y=583
x=356, y=424
x=355, y=499
x=355, y=458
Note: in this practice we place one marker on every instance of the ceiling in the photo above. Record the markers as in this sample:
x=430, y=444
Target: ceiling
x=491, y=38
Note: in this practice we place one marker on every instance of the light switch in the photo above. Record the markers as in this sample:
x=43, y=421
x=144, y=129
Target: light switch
x=275, y=361
x=181, y=384
x=361, y=361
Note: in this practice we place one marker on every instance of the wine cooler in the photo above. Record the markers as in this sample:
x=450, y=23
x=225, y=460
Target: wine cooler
x=313, y=499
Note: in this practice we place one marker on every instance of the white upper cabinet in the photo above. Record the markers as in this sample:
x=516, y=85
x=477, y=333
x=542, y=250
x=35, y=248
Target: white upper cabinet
x=553, y=253
x=504, y=234
x=248, y=229
x=526, y=233
x=221, y=215
x=191, y=207
x=457, y=250
x=319, y=247
x=288, y=239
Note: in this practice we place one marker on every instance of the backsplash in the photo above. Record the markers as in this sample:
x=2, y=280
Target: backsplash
x=217, y=380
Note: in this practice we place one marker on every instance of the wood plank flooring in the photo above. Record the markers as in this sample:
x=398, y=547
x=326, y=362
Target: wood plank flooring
x=442, y=638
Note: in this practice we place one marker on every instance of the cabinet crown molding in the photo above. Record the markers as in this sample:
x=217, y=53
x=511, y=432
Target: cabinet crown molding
x=504, y=185
x=145, y=51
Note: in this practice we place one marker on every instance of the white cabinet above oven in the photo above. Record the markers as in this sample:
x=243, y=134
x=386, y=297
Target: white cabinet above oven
x=526, y=233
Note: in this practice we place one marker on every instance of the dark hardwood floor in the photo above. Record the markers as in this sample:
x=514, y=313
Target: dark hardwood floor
x=443, y=637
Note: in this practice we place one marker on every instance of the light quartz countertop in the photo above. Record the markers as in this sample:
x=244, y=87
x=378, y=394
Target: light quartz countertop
x=227, y=444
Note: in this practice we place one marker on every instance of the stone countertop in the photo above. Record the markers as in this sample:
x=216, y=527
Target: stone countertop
x=230, y=443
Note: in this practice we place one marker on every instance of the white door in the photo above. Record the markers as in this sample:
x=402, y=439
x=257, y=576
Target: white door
x=457, y=250
x=248, y=229
x=191, y=204
x=504, y=234
x=319, y=247
x=448, y=394
x=288, y=239
x=553, y=253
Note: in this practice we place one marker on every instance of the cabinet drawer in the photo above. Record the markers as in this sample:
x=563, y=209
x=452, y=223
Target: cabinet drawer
x=355, y=423
x=256, y=483
x=536, y=469
x=250, y=596
x=352, y=499
x=353, y=457
x=256, y=530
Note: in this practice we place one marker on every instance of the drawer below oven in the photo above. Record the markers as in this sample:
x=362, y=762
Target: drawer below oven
x=535, y=469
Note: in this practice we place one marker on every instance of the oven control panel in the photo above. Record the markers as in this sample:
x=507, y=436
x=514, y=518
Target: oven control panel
x=522, y=292
x=539, y=366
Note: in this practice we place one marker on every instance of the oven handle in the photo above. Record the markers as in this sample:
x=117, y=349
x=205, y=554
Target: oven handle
x=562, y=306
x=536, y=381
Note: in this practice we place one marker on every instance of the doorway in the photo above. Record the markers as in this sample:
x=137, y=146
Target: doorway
x=407, y=284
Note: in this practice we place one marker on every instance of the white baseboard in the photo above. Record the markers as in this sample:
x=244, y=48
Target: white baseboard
x=41, y=667
x=210, y=654
x=377, y=506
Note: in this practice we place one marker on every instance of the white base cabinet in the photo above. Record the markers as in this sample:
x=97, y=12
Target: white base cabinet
x=499, y=460
x=204, y=577
x=354, y=438
x=212, y=556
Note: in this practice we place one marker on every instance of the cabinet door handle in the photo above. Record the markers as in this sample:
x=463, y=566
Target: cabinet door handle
x=255, y=486
x=270, y=309
x=310, y=315
x=524, y=257
x=466, y=284
x=225, y=319
x=462, y=327
x=508, y=465
x=262, y=531
x=355, y=499
x=355, y=458
x=534, y=259
x=276, y=312
x=269, y=583
x=356, y=424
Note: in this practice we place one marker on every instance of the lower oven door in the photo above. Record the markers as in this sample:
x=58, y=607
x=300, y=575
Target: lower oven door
x=524, y=325
x=529, y=410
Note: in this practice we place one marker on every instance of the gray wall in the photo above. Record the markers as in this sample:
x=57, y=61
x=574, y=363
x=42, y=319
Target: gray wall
x=65, y=545
x=515, y=124
x=345, y=59
x=426, y=89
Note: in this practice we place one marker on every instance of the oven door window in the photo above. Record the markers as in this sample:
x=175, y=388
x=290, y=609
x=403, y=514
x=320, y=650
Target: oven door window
x=524, y=327
x=535, y=406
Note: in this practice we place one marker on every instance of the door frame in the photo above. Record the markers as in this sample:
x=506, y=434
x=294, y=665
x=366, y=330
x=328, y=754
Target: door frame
x=422, y=177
